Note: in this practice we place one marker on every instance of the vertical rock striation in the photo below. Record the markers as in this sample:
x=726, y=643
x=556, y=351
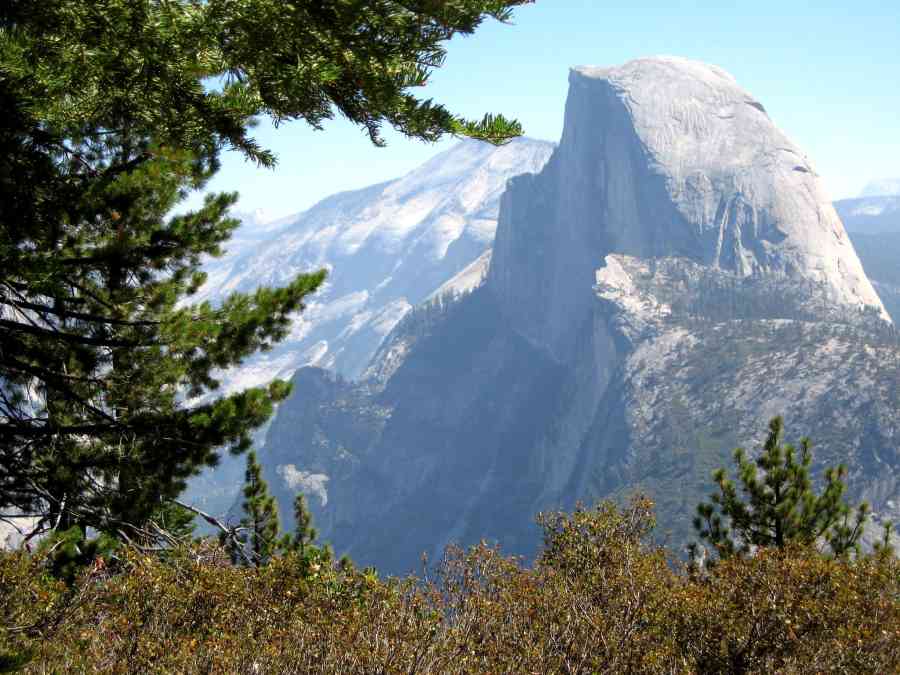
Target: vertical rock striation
x=664, y=157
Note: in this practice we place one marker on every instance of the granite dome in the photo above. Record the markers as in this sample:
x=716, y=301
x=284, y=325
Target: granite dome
x=744, y=189
x=663, y=157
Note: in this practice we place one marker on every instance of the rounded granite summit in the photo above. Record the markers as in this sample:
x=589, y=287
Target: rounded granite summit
x=669, y=157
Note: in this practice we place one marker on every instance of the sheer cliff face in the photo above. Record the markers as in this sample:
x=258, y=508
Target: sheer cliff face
x=664, y=157
x=671, y=279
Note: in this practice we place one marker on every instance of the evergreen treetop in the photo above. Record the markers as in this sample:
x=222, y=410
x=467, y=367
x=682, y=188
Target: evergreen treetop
x=779, y=505
x=258, y=538
x=304, y=532
x=260, y=514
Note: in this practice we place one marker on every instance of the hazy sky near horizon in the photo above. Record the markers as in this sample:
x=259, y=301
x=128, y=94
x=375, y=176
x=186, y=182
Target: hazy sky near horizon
x=827, y=73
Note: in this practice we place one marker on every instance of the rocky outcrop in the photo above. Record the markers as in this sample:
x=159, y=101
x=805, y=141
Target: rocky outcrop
x=697, y=382
x=674, y=276
x=664, y=157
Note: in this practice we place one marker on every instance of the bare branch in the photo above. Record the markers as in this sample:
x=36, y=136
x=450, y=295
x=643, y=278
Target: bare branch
x=230, y=532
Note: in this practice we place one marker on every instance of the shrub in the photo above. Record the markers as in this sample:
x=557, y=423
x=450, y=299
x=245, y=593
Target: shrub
x=600, y=598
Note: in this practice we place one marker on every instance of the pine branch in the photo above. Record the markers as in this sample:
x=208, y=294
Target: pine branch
x=81, y=316
x=66, y=337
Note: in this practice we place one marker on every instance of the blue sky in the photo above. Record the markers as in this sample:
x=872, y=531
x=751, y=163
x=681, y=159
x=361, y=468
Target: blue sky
x=827, y=73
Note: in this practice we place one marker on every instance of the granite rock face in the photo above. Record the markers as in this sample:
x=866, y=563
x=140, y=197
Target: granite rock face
x=674, y=276
x=664, y=157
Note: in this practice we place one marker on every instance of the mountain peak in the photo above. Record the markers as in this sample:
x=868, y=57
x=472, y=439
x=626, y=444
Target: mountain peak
x=666, y=157
x=883, y=187
x=670, y=280
x=664, y=65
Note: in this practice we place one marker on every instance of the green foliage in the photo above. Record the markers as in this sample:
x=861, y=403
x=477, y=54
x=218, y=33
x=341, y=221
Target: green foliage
x=68, y=552
x=302, y=543
x=305, y=534
x=12, y=661
x=780, y=506
x=30, y=601
x=114, y=111
x=258, y=539
x=261, y=515
x=884, y=545
x=176, y=521
x=78, y=64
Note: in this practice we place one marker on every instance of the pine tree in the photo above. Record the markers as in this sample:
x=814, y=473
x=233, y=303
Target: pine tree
x=780, y=506
x=114, y=111
x=260, y=521
x=304, y=532
x=311, y=556
x=259, y=537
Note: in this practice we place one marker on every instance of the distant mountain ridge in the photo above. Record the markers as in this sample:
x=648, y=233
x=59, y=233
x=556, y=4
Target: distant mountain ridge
x=387, y=248
x=871, y=215
x=873, y=221
x=882, y=187
x=880, y=255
